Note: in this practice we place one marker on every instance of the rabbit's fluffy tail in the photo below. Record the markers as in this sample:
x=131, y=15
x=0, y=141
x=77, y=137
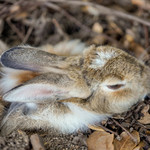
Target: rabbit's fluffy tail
x=66, y=48
x=11, y=78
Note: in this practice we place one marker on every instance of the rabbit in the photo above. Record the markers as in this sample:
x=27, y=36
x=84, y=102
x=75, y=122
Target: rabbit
x=69, y=93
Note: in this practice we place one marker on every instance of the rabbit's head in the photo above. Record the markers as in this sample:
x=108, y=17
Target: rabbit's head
x=104, y=79
x=118, y=80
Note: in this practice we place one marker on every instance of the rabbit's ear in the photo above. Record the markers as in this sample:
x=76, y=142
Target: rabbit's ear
x=29, y=58
x=48, y=87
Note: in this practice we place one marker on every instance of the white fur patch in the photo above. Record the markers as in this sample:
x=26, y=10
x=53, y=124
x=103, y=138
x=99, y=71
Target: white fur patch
x=31, y=105
x=102, y=58
x=8, y=80
x=72, y=121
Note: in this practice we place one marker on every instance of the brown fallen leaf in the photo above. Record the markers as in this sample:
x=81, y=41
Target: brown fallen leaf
x=126, y=143
x=140, y=146
x=143, y=4
x=21, y=15
x=14, y=8
x=139, y=51
x=97, y=128
x=115, y=27
x=136, y=48
x=97, y=28
x=146, y=118
x=100, y=140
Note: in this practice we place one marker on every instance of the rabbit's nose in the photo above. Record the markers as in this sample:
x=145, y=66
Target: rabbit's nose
x=147, y=97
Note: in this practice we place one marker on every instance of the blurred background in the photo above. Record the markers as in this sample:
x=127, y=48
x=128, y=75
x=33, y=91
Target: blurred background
x=121, y=23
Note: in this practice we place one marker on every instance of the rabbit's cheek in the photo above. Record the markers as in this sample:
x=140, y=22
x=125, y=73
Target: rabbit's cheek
x=121, y=94
x=120, y=101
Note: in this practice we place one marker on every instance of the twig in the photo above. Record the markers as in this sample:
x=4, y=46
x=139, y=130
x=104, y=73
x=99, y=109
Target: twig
x=52, y=6
x=105, y=10
x=15, y=29
x=74, y=20
x=140, y=124
x=146, y=36
x=106, y=129
x=102, y=128
x=36, y=142
x=59, y=29
x=27, y=35
x=132, y=137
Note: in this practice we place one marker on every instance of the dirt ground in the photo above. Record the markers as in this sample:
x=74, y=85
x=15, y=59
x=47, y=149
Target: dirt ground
x=124, y=24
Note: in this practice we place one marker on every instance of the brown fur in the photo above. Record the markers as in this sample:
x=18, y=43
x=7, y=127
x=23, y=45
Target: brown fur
x=25, y=76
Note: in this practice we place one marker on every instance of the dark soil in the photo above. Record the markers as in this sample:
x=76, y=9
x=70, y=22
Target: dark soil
x=20, y=140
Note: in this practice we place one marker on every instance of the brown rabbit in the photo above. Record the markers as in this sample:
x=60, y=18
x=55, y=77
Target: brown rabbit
x=69, y=93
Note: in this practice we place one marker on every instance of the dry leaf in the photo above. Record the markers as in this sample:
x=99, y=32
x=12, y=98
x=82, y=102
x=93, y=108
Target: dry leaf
x=141, y=3
x=100, y=140
x=140, y=146
x=136, y=48
x=97, y=128
x=116, y=27
x=139, y=51
x=14, y=8
x=129, y=38
x=146, y=118
x=21, y=15
x=97, y=39
x=97, y=28
x=126, y=143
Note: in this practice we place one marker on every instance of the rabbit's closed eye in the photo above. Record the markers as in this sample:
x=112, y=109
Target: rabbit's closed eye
x=115, y=86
